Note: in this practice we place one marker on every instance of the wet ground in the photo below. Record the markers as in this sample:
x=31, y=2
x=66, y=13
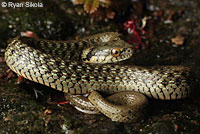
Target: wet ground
x=171, y=36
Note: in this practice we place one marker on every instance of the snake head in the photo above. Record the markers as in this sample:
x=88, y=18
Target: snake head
x=108, y=52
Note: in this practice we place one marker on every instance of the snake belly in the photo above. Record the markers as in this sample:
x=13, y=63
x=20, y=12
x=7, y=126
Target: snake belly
x=74, y=77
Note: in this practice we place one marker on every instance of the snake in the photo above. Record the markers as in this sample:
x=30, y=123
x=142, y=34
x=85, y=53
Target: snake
x=87, y=66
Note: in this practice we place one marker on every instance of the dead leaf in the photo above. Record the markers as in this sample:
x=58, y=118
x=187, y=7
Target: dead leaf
x=47, y=111
x=20, y=79
x=2, y=59
x=29, y=34
x=176, y=127
x=91, y=6
x=178, y=40
x=7, y=74
x=78, y=1
x=110, y=14
x=105, y=3
x=7, y=118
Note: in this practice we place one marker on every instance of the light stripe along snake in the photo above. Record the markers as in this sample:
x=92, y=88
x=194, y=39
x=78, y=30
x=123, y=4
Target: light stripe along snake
x=57, y=64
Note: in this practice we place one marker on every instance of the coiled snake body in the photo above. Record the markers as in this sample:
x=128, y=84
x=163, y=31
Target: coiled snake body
x=42, y=61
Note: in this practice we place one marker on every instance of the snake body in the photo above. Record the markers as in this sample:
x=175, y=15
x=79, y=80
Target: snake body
x=48, y=67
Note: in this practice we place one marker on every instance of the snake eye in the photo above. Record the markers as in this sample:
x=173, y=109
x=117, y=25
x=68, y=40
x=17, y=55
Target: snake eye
x=115, y=52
